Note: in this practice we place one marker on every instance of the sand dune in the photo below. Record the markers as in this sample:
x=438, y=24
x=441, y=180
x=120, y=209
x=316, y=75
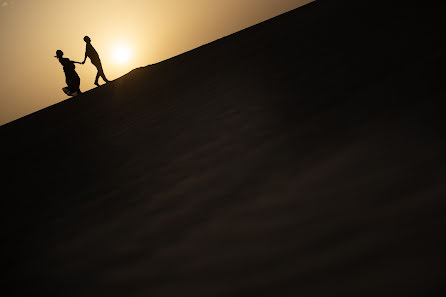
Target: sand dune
x=300, y=157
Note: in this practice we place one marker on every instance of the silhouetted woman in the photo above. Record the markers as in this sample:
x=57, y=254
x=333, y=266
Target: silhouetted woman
x=72, y=79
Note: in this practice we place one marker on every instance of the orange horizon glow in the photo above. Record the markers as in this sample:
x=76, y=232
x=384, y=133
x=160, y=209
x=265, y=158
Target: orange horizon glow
x=126, y=34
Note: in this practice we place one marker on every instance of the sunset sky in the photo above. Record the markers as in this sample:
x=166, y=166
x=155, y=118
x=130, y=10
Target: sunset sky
x=126, y=34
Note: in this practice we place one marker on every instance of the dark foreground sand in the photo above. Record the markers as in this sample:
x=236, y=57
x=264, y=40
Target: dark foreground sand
x=303, y=156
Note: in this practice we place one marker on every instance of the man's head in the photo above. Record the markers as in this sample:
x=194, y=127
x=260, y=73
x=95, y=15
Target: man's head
x=87, y=39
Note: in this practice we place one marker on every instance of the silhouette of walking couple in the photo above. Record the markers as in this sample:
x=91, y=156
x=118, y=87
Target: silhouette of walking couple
x=71, y=77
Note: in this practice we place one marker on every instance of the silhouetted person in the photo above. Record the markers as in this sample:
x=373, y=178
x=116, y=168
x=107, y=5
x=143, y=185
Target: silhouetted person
x=72, y=79
x=94, y=58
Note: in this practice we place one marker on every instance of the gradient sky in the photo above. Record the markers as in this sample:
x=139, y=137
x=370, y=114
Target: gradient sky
x=149, y=30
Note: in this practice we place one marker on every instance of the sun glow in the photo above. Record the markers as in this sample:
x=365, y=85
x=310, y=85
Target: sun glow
x=122, y=54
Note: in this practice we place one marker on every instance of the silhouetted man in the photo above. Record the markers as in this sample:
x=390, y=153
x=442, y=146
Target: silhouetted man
x=94, y=58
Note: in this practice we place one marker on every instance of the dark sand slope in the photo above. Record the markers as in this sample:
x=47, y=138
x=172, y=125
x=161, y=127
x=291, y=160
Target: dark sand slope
x=303, y=156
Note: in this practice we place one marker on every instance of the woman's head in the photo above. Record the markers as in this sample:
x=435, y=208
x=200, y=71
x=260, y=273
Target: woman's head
x=59, y=54
x=87, y=39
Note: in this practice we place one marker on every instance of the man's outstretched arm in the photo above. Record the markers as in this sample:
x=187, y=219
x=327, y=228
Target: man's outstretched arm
x=85, y=58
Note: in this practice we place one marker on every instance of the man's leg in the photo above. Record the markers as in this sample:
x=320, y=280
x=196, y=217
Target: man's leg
x=96, y=80
x=101, y=72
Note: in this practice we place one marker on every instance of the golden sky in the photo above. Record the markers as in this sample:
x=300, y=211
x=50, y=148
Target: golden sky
x=127, y=34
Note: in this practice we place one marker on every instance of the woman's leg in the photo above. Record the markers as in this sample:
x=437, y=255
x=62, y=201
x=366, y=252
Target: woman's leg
x=73, y=81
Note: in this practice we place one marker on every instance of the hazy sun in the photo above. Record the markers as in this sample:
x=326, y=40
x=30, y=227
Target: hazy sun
x=122, y=54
